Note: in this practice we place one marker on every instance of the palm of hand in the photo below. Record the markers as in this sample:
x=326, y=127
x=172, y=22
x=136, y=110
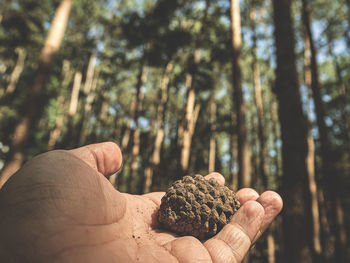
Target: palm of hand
x=77, y=216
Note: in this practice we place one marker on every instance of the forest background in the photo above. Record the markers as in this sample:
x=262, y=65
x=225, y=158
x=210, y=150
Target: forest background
x=255, y=90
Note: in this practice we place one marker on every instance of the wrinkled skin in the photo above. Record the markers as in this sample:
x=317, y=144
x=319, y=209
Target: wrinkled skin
x=60, y=207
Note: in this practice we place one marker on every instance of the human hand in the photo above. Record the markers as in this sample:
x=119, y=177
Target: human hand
x=60, y=207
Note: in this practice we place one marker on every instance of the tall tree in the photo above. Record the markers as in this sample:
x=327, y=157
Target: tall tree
x=88, y=91
x=186, y=129
x=135, y=147
x=316, y=240
x=212, y=123
x=294, y=138
x=158, y=141
x=262, y=165
x=74, y=98
x=244, y=172
x=34, y=101
x=259, y=102
x=56, y=132
x=330, y=178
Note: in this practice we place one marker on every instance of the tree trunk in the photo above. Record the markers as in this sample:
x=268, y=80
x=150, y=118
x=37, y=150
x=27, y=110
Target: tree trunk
x=90, y=96
x=271, y=249
x=316, y=244
x=56, y=132
x=233, y=153
x=126, y=136
x=17, y=71
x=190, y=118
x=127, y=133
x=61, y=115
x=80, y=132
x=259, y=106
x=34, y=101
x=186, y=129
x=296, y=218
x=90, y=74
x=135, y=149
x=331, y=180
x=263, y=171
x=212, y=143
x=155, y=155
x=73, y=105
x=69, y=137
x=310, y=163
x=256, y=181
x=326, y=242
x=244, y=172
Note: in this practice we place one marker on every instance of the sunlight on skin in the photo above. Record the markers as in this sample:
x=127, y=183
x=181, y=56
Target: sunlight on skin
x=58, y=209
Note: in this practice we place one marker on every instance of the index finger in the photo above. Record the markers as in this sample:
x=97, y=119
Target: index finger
x=105, y=157
x=233, y=242
x=247, y=194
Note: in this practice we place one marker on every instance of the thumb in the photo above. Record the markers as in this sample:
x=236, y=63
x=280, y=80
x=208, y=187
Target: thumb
x=105, y=157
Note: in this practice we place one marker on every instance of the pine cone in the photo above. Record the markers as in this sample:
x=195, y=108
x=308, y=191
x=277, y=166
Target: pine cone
x=198, y=207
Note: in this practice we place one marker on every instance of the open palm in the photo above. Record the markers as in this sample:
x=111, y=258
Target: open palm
x=61, y=208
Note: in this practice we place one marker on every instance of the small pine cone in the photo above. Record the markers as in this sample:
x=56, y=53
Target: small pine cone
x=198, y=207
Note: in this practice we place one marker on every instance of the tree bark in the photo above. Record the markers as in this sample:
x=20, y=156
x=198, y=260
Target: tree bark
x=316, y=245
x=155, y=155
x=17, y=71
x=186, y=128
x=73, y=105
x=133, y=110
x=80, y=133
x=296, y=216
x=276, y=135
x=212, y=143
x=90, y=74
x=244, y=172
x=190, y=116
x=135, y=148
x=271, y=249
x=259, y=105
x=331, y=180
x=233, y=153
x=34, y=101
x=90, y=96
x=263, y=171
x=55, y=134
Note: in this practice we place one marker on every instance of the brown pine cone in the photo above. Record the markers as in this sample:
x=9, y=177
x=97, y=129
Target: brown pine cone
x=198, y=207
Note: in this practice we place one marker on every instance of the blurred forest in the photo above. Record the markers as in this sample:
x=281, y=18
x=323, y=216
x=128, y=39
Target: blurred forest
x=256, y=90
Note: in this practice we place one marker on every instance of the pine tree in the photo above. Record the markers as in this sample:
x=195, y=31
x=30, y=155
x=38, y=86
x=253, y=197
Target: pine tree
x=294, y=138
x=34, y=101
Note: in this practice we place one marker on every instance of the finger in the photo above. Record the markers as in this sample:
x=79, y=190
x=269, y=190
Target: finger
x=247, y=194
x=218, y=177
x=105, y=157
x=232, y=243
x=272, y=203
x=188, y=249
